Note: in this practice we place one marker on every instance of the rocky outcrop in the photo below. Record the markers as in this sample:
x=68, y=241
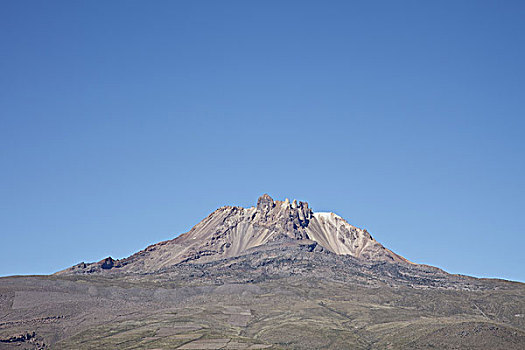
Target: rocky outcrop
x=18, y=338
x=265, y=203
x=25, y=340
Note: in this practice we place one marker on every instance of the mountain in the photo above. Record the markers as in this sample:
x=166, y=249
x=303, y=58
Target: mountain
x=274, y=276
x=233, y=231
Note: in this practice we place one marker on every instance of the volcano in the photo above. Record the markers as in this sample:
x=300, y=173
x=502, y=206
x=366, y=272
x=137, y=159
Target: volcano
x=277, y=275
x=233, y=231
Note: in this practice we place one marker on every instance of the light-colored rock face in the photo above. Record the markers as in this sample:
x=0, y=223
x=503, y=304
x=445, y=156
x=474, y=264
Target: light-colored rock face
x=232, y=231
x=335, y=234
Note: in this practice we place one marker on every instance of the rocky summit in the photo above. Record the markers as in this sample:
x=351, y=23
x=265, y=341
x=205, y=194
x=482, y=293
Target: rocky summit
x=277, y=275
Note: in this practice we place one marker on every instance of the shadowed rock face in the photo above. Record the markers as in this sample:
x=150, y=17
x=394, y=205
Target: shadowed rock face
x=233, y=231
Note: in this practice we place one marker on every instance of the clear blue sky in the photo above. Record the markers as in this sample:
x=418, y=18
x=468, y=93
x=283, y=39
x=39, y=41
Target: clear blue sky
x=124, y=123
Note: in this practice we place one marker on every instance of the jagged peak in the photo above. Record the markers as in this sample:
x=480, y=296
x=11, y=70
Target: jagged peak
x=265, y=202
